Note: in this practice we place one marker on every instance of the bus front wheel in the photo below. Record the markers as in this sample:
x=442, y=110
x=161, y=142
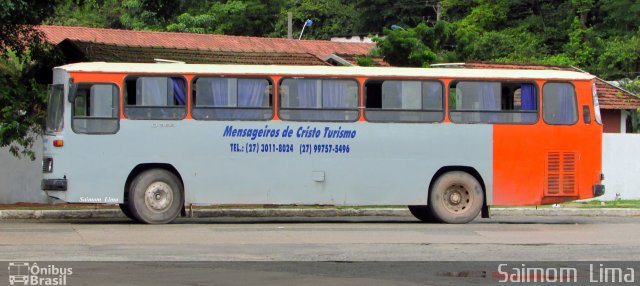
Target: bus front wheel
x=423, y=213
x=127, y=211
x=456, y=197
x=155, y=196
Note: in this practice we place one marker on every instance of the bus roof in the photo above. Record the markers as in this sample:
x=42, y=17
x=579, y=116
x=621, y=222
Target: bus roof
x=180, y=68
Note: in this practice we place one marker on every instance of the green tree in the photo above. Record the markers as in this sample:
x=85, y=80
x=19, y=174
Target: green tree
x=21, y=98
x=88, y=13
x=17, y=18
x=405, y=48
x=22, y=101
x=248, y=18
x=330, y=17
x=375, y=15
x=149, y=14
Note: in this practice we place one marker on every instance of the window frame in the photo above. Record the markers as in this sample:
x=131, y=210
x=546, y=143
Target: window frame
x=63, y=98
x=575, y=97
x=356, y=108
x=193, y=102
x=73, y=108
x=596, y=104
x=443, y=102
x=536, y=112
x=125, y=99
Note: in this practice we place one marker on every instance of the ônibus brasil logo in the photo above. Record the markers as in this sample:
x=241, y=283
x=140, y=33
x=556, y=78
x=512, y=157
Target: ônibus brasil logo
x=25, y=273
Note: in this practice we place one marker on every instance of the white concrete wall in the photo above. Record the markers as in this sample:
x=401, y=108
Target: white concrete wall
x=20, y=178
x=621, y=166
x=352, y=39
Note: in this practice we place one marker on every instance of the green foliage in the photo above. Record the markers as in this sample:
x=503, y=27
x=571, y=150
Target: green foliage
x=330, y=17
x=633, y=86
x=600, y=36
x=619, y=56
x=365, y=61
x=148, y=14
x=22, y=101
x=375, y=15
x=404, y=48
x=249, y=18
x=88, y=13
x=21, y=98
x=17, y=18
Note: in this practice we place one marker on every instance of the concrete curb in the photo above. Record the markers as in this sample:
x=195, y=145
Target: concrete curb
x=395, y=212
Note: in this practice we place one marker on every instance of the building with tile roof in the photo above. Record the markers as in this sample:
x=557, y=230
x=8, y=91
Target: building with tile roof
x=84, y=51
x=203, y=42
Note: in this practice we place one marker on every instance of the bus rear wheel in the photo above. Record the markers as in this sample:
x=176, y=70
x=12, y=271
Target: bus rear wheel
x=155, y=196
x=456, y=197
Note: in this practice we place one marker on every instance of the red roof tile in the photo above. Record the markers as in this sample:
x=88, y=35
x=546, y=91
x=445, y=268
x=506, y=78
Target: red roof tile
x=318, y=48
x=612, y=97
x=609, y=96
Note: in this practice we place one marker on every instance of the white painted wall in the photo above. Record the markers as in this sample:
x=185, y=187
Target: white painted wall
x=352, y=39
x=621, y=165
x=20, y=178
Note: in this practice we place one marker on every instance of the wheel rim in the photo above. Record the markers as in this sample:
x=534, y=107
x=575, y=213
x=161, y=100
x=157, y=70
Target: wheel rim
x=457, y=198
x=158, y=196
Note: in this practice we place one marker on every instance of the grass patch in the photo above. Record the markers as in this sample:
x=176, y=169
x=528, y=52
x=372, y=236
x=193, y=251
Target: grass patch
x=630, y=204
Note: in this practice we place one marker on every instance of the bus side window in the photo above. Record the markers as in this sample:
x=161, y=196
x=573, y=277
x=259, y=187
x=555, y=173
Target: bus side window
x=155, y=97
x=303, y=99
x=493, y=102
x=95, y=109
x=403, y=101
x=559, y=106
x=224, y=98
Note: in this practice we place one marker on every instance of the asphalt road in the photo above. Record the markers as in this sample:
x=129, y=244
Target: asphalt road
x=290, y=251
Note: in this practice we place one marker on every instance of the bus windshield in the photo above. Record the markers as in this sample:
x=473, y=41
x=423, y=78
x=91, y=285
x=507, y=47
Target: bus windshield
x=55, y=108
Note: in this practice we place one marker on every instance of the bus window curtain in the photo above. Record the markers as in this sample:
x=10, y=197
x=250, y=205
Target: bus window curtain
x=220, y=92
x=489, y=95
x=178, y=91
x=567, y=104
x=251, y=93
x=307, y=98
x=220, y=96
x=151, y=92
x=307, y=93
x=527, y=96
x=334, y=96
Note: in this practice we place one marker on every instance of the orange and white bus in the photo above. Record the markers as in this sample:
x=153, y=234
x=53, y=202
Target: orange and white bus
x=447, y=142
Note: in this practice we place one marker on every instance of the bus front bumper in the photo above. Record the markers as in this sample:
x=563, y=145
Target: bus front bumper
x=598, y=190
x=53, y=184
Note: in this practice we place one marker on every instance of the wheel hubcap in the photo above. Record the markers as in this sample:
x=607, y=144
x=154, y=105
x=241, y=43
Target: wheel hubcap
x=158, y=196
x=457, y=198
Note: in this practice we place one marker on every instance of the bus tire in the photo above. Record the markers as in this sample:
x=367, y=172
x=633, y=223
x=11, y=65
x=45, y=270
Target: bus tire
x=155, y=196
x=423, y=213
x=124, y=207
x=456, y=197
